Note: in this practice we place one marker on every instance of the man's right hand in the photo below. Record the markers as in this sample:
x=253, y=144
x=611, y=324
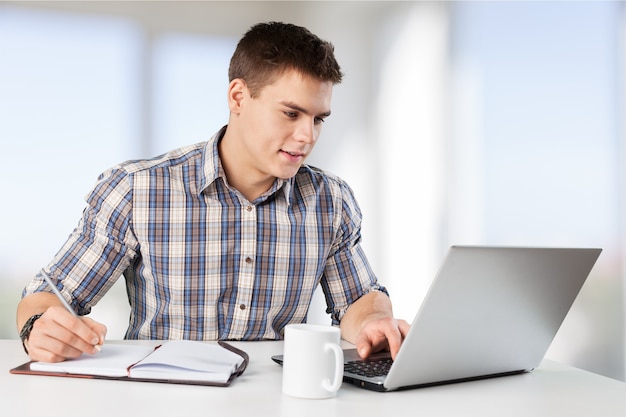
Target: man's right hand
x=58, y=335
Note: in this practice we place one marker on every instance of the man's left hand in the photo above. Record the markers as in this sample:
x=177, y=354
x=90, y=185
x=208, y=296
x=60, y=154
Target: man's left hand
x=381, y=334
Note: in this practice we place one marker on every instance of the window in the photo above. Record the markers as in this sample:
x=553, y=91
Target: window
x=189, y=86
x=68, y=110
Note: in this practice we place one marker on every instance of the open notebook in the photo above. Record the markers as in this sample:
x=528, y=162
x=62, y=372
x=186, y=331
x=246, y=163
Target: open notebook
x=174, y=361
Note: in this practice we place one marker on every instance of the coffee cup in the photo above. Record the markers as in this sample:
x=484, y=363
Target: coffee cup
x=312, y=361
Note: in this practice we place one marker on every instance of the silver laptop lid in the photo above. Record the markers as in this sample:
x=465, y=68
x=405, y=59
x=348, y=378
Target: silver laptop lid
x=489, y=311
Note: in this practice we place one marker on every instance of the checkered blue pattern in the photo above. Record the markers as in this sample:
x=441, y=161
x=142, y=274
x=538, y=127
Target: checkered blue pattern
x=203, y=263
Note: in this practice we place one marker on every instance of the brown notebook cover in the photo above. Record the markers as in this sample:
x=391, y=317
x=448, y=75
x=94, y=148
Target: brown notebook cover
x=25, y=369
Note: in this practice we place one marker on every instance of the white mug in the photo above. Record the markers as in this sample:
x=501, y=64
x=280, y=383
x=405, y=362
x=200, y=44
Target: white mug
x=312, y=361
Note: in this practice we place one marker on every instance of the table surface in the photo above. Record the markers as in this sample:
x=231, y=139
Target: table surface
x=551, y=390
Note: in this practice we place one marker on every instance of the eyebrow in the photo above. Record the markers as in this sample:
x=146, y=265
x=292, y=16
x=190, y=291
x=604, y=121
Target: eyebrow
x=294, y=106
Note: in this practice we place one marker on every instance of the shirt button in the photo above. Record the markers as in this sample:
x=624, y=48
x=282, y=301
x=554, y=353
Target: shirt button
x=242, y=306
x=248, y=260
x=249, y=208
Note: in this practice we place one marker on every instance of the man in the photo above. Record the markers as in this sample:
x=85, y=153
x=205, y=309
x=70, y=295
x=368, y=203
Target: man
x=226, y=239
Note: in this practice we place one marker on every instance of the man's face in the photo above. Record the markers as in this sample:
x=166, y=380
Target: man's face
x=280, y=127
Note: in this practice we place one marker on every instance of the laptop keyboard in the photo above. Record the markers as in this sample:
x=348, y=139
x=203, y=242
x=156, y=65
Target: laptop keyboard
x=369, y=367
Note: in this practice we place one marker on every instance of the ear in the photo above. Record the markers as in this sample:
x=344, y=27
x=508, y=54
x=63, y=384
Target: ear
x=237, y=90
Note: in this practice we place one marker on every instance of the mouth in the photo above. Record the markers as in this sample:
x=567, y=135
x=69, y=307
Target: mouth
x=293, y=156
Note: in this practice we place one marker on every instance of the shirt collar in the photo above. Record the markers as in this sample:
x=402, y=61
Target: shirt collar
x=212, y=170
x=211, y=165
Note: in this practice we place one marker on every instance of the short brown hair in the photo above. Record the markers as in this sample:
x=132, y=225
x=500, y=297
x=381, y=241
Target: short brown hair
x=268, y=49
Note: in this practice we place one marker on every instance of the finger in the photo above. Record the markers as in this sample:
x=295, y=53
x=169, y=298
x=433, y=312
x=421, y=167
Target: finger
x=99, y=328
x=81, y=334
x=60, y=334
x=404, y=327
x=363, y=345
x=394, y=337
x=45, y=342
x=374, y=336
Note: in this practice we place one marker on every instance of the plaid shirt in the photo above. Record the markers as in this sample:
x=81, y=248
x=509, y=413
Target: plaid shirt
x=201, y=262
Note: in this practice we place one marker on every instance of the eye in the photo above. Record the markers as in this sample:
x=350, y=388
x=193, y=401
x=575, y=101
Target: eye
x=319, y=120
x=291, y=114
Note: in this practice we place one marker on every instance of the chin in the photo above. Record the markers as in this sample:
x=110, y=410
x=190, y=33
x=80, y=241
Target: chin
x=285, y=175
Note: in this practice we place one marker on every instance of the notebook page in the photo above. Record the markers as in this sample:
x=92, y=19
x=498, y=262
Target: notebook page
x=188, y=360
x=112, y=361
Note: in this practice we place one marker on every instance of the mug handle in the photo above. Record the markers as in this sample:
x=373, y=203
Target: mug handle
x=338, y=368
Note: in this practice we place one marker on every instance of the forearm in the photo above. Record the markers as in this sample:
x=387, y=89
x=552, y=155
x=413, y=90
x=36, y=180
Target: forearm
x=371, y=306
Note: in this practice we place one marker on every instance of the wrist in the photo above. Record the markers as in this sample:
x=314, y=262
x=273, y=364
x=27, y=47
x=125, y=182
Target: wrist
x=27, y=328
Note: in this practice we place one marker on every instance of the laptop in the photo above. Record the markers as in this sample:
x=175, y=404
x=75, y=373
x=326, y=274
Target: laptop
x=490, y=311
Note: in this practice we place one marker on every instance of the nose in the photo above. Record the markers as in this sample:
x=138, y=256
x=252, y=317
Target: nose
x=306, y=130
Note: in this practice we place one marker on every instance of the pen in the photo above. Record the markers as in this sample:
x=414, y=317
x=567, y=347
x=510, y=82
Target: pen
x=67, y=306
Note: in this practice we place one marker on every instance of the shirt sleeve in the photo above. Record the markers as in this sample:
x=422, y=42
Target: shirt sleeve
x=347, y=275
x=99, y=249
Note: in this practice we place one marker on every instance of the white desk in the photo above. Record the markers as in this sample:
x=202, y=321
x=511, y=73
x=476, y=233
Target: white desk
x=552, y=390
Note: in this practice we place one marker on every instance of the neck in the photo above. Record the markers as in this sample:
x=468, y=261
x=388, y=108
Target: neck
x=240, y=173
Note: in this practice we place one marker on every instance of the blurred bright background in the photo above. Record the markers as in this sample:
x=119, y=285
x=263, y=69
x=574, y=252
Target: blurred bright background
x=466, y=122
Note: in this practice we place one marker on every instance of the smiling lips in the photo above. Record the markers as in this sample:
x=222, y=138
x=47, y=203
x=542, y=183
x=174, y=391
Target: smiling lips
x=293, y=156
